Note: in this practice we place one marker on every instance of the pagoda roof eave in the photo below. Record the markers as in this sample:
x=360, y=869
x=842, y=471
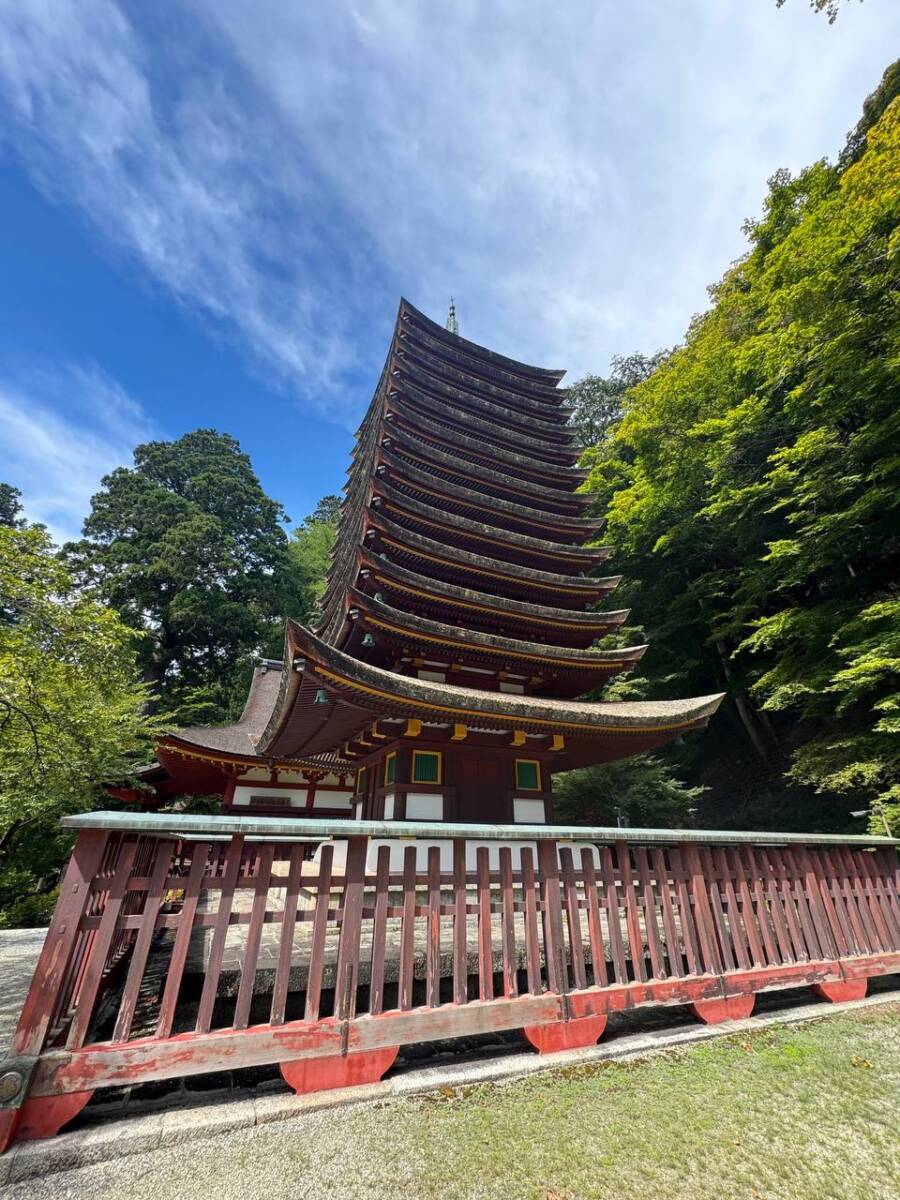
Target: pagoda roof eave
x=590, y=587
x=360, y=693
x=191, y=749
x=542, y=451
x=478, y=641
x=549, y=406
x=471, y=598
x=408, y=309
x=481, y=500
x=521, y=424
x=566, y=503
x=590, y=554
x=397, y=407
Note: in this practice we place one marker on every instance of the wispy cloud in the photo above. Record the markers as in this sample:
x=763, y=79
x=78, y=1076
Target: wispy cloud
x=576, y=177
x=61, y=432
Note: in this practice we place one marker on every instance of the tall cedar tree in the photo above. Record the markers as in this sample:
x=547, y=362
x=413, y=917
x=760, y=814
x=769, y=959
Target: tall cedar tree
x=189, y=549
x=753, y=484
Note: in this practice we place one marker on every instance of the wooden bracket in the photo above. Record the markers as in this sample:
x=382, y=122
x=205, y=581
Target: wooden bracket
x=460, y=733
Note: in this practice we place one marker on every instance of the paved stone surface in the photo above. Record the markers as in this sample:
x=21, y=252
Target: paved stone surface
x=19, y=950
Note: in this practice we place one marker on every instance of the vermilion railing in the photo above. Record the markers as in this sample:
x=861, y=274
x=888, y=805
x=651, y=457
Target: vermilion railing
x=181, y=945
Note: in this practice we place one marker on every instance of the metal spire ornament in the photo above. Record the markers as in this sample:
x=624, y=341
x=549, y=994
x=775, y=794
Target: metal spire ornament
x=452, y=323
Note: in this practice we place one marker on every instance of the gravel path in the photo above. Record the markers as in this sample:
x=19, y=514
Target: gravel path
x=19, y=950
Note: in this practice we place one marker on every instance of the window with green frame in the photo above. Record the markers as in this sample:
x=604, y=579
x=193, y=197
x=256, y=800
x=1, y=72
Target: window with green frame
x=390, y=768
x=426, y=766
x=362, y=776
x=528, y=775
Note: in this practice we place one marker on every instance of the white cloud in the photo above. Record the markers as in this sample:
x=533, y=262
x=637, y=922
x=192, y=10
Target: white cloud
x=575, y=176
x=61, y=432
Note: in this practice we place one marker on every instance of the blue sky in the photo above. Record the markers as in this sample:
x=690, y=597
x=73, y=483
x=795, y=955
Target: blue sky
x=209, y=210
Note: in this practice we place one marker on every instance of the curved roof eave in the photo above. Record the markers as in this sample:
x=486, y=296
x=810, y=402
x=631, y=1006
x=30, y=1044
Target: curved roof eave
x=379, y=689
x=478, y=640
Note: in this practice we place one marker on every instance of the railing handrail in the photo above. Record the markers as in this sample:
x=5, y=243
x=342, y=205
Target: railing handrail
x=190, y=825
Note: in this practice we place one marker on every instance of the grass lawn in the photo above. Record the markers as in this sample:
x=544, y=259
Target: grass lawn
x=803, y=1113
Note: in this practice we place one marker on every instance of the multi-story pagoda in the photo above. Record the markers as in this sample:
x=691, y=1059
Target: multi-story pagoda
x=458, y=626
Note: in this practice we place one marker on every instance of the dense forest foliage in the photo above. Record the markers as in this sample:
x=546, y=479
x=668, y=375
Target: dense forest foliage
x=751, y=480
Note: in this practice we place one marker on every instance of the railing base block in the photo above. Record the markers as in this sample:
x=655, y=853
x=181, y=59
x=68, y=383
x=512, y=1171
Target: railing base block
x=40, y=1117
x=849, y=989
x=729, y=1008
x=583, y=1028
x=338, y=1070
x=565, y=1035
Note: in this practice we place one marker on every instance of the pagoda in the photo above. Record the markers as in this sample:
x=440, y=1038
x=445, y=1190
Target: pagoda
x=457, y=631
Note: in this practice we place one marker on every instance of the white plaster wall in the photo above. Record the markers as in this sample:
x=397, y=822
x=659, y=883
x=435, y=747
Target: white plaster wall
x=296, y=796
x=424, y=806
x=528, y=811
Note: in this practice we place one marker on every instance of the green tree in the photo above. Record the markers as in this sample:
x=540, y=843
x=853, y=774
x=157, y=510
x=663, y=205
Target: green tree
x=71, y=712
x=189, y=549
x=597, y=399
x=310, y=556
x=642, y=790
x=752, y=489
x=11, y=506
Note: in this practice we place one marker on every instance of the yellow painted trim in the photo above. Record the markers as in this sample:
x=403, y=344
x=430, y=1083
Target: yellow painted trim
x=375, y=734
x=401, y=587
x=460, y=733
x=226, y=759
x=440, y=766
x=444, y=562
x=413, y=728
x=532, y=762
x=390, y=758
x=550, y=662
x=518, y=738
x=392, y=697
x=558, y=743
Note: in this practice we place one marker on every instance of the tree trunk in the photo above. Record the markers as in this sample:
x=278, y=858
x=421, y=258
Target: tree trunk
x=743, y=708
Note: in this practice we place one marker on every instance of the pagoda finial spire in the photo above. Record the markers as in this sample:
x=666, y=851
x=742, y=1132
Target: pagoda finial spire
x=452, y=323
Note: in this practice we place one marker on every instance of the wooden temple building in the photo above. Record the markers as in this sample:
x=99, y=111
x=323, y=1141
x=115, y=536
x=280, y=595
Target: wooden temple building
x=456, y=639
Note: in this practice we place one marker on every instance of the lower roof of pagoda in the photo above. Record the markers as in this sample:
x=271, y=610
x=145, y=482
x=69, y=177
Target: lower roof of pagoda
x=331, y=698
x=195, y=759
x=492, y=509
x=478, y=608
x=506, y=544
x=588, y=668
